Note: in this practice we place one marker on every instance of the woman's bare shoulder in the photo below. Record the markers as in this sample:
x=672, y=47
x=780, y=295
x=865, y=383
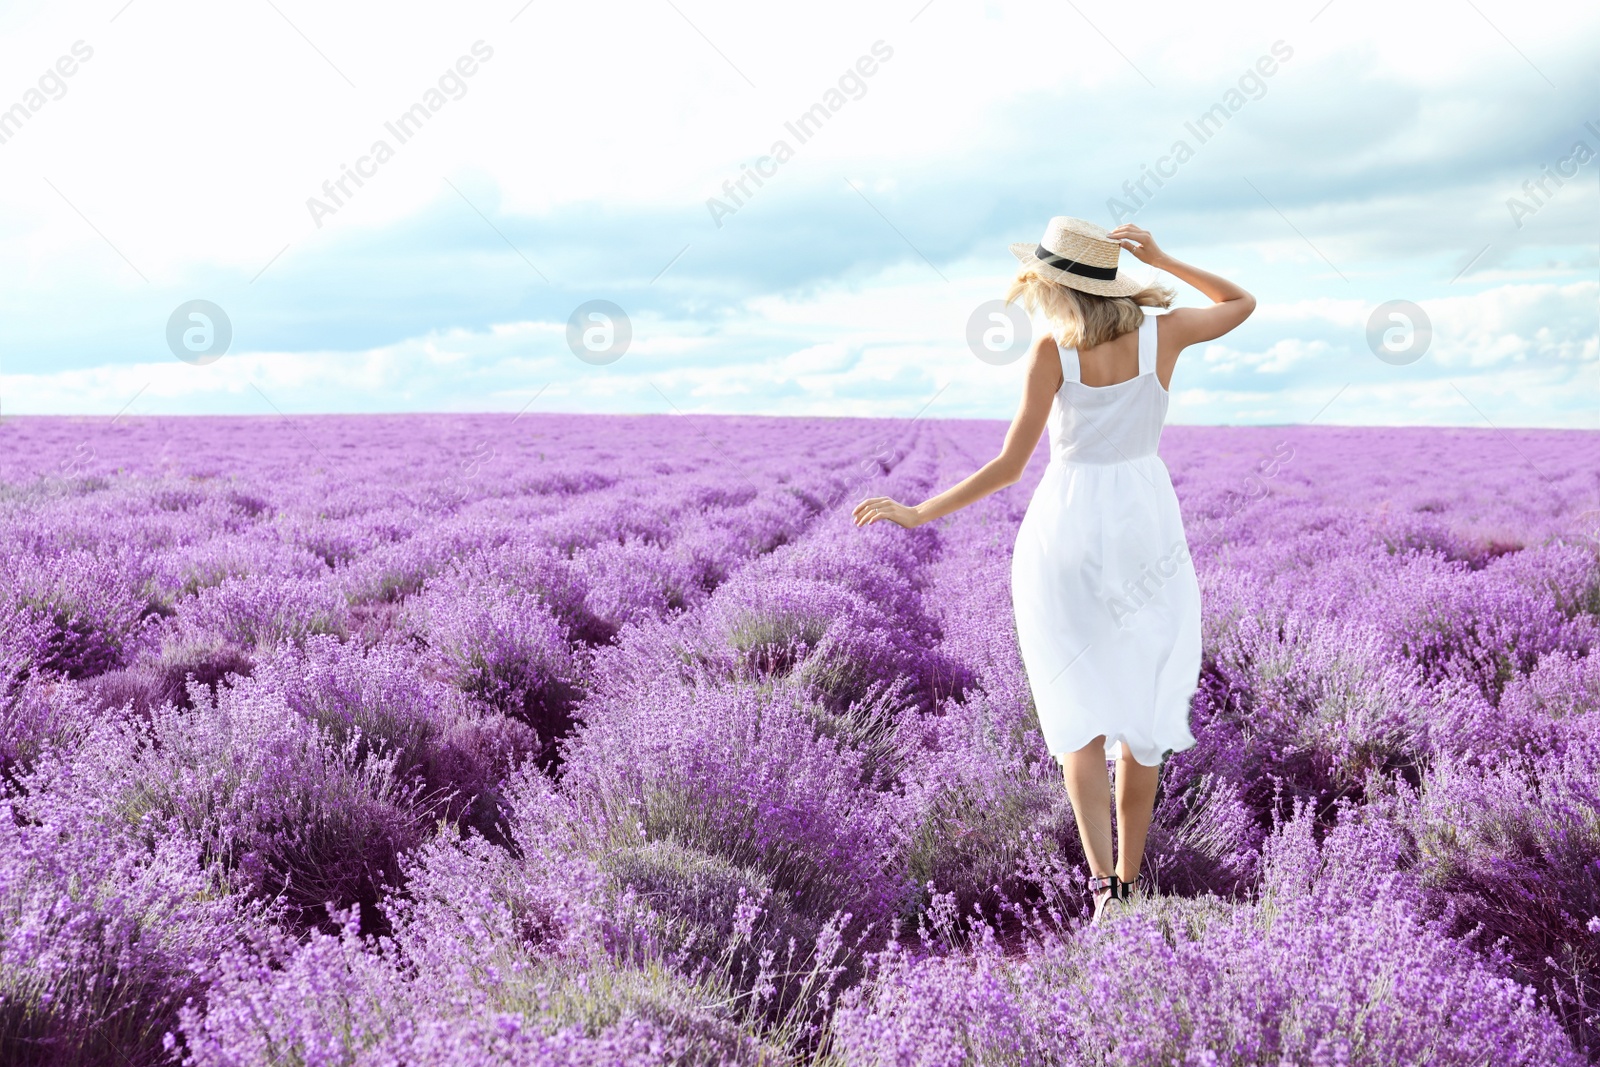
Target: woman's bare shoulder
x=1044, y=353
x=1189, y=326
x=1044, y=361
x=1172, y=329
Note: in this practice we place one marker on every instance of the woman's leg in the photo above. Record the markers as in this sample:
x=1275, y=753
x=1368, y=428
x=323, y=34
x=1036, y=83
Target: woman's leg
x=1089, y=789
x=1136, y=799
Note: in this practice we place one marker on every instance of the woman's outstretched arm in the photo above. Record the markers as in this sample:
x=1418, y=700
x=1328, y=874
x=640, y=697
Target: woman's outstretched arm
x=1043, y=380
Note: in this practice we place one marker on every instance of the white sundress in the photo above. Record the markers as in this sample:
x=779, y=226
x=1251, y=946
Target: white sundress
x=1106, y=600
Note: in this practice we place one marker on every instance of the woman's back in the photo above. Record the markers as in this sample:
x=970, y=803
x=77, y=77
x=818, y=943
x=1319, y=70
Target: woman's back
x=1110, y=362
x=1119, y=421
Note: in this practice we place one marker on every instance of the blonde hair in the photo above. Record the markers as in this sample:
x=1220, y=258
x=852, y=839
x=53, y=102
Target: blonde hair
x=1083, y=320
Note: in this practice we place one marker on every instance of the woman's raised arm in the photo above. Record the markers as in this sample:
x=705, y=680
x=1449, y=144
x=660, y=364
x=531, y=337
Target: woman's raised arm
x=1189, y=326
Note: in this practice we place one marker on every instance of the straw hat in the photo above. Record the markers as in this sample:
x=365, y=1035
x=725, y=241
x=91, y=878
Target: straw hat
x=1077, y=253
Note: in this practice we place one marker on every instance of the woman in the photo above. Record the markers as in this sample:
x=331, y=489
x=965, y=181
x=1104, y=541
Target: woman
x=1106, y=601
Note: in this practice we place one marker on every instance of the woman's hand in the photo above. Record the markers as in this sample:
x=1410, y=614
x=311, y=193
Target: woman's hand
x=876, y=508
x=1139, y=242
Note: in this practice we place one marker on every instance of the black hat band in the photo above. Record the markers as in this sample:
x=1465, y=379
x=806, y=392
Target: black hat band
x=1072, y=266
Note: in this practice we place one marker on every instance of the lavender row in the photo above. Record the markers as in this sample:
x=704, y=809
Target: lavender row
x=746, y=784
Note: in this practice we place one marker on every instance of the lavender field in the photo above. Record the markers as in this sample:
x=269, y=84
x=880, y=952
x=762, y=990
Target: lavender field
x=593, y=740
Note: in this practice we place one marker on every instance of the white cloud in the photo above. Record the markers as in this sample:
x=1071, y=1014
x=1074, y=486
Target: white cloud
x=1280, y=356
x=184, y=151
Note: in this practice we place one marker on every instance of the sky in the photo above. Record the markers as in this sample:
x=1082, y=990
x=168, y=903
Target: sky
x=514, y=161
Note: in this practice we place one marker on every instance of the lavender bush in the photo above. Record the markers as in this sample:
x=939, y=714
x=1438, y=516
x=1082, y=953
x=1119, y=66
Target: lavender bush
x=607, y=740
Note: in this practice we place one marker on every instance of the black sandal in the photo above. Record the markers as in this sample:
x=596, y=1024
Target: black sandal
x=1101, y=882
x=1125, y=889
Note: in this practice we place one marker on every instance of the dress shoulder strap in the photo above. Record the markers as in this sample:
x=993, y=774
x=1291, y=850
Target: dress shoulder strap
x=1070, y=370
x=1147, y=345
